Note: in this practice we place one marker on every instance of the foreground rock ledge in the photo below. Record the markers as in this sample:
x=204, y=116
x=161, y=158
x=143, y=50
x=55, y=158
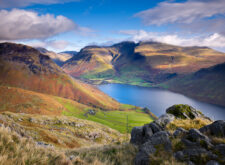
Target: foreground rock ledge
x=194, y=146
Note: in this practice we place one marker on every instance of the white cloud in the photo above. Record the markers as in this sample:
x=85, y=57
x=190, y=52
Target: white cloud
x=215, y=40
x=206, y=18
x=54, y=45
x=186, y=12
x=21, y=24
x=23, y=3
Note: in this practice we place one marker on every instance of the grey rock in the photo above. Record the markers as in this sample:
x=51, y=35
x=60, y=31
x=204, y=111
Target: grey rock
x=31, y=120
x=143, y=156
x=142, y=159
x=137, y=135
x=195, y=151
x=165, y=119
x=20, y=119
x=155, y=127
x=180, y=132
x=217, y=128
x=140, y=135
x=72, y=157
x=44, y=144
x=147, y=132
x=91, y=112
x=190, y=163
x=180, y=156
x=148, y=148
x=221, y=149
x=161, y=137
x=189, y=143
x=195, y=135
x=190, y=154
x=194, y=154
x=184, y=111
x=212, y=162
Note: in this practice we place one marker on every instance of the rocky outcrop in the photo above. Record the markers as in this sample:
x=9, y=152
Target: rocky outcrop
x=179, y=132
x=195, y=146
x=140, y=135
x=165, y=119
x=184, y=112
x=217, y=128
x=148, y=148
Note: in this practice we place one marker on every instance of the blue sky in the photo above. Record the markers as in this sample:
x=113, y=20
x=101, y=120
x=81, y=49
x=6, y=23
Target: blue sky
x=72, y=24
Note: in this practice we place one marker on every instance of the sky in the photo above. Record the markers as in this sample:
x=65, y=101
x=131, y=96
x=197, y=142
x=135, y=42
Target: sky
x=60, y=25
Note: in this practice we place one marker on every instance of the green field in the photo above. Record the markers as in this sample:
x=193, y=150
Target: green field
x=114, y=119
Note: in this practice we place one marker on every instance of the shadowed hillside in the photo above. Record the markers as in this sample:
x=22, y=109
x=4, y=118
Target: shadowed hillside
x=206, y=84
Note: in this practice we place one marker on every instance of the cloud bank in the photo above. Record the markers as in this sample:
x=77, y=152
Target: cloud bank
x=21, y=24
x=24, y=3
x=186, y=12
x=194, y=15
x=214, y=40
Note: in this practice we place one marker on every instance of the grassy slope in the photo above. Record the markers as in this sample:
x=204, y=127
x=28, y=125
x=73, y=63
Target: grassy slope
x=24, y=101
x=61, y=131
x=15, y=149
x=116, y=119
x=24, y=67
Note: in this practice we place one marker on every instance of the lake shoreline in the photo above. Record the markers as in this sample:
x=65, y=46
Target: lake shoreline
x=162, y=90
x=104, y=82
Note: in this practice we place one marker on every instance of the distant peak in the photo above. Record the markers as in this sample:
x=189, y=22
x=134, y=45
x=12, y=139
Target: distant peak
x=125, y=43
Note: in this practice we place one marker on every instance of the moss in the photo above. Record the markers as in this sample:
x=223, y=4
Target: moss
x=177, y=145
x=180, y=110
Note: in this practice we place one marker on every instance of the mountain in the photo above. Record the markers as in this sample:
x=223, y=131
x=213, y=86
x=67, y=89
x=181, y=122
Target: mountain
x=69, y=52
x=207, y=84
x=58, y=58
x=25, y=67
x=144, y=63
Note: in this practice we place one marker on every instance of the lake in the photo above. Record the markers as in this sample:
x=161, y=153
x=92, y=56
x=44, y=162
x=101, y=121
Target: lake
x=158, y=100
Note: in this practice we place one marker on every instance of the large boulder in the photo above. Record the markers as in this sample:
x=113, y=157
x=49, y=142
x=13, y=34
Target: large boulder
x=165, y=119
x=212, y=162
x=184, y=111
x=195, y=135
x=220, y=148
x=180, y=132
x=194, y=154
x=148, y=148
x=217, y=128
x=202, y=140
x=137, y=135
x=140, y=135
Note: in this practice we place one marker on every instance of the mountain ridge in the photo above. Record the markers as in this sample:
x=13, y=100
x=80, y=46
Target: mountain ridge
x=58, y=58
x=149, y=61
x=25, y=67
x=207, y=84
